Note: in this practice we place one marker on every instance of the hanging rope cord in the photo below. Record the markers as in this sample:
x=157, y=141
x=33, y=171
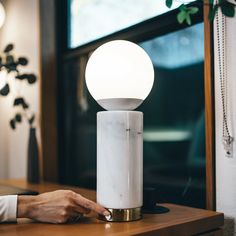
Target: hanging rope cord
x=221, y=45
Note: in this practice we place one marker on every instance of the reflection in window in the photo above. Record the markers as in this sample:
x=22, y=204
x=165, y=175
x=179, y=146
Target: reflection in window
x=177, y=49
x=93, y=19
x=174, y=127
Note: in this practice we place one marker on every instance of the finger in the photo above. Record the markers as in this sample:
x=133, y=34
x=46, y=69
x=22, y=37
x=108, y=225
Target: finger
x=80, y=209
x=91, y=205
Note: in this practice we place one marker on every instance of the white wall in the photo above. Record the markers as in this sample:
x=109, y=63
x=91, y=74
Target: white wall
x=22, y=29
x=226, y=167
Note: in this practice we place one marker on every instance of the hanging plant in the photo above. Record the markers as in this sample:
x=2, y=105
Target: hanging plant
x=9, y=65
x=185, y=12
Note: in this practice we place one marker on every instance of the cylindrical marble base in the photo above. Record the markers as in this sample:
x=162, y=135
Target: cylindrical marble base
x=120, y=162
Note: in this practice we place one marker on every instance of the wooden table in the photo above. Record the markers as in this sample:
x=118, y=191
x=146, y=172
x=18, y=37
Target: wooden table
x=180, y=221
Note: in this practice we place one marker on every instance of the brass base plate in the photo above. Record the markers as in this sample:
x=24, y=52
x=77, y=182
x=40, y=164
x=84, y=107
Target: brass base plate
x=122, y=215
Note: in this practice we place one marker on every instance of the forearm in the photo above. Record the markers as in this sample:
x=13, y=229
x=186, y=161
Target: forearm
x=25, y=206
x=59, y=206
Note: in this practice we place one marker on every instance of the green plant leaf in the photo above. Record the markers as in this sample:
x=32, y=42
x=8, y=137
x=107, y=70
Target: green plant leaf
x=31, y=120
x=21, y=77
x=8, y=48
x=182, y=7
x=169, y=3
x=185, y=14
x=227, y=9
x=188, y=19
x=12, y=124
x=11, y=67
x=9, y=59
x=20, y=101
x=181, y=17
x=18, y=117
x=5, y=90
x=31, y=78
x=193, y=10
x=212, y=12
x=22, y=61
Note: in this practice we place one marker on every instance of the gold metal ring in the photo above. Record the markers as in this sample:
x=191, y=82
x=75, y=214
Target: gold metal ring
x=122, y=215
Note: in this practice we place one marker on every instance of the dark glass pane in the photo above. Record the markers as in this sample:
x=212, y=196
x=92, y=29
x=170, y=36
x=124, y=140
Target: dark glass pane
x=174, y=127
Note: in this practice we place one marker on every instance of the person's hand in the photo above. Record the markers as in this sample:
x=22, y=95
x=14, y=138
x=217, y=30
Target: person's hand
x=56, y=207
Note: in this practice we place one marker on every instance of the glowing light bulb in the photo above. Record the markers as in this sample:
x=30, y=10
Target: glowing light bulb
x=119, y=75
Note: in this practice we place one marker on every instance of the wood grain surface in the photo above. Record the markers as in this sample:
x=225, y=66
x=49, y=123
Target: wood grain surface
x=180, y=221
x=209, y=110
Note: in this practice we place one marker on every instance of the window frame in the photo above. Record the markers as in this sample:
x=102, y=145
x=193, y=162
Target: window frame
x=55, y=52
x=145, y=30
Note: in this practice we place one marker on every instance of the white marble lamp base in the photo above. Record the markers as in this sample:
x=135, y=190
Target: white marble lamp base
x=120, y=163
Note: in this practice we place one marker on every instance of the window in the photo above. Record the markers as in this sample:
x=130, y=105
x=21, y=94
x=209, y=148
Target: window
x=94, y=19
x=174, y=127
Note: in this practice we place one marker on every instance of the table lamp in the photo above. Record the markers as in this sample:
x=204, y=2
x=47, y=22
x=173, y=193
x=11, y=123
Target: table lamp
x=120, y=75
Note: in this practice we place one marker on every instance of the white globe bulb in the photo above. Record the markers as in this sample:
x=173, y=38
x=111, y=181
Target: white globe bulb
x=119, y=75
